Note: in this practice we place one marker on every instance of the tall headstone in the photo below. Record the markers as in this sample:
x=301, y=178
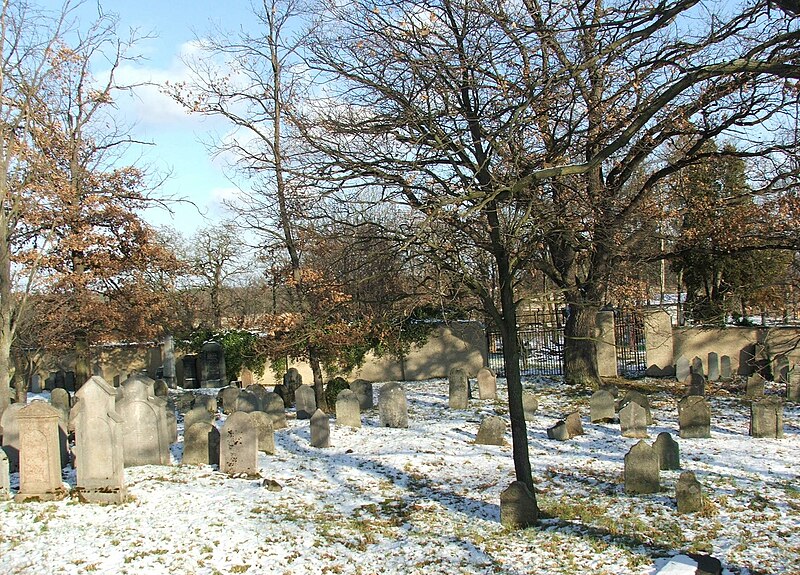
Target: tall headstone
x=695, y=384
x=201, y=444
x=725, y=371
x=392, y=405
x=273, y=406
x=306, y=401
x=641, y=470
x=713, y=366
x=668, y=450
x=145, y=429
x=191, y=379
x=36, y=383
x=688, y=493
x=694, y=417
x=229, y=396
x=530, y=405
x=766, y=418
x=682, y=369
x=39, y=454
x=518, y=508
x=458, y=397
x=697, y=366
x=60, y=400
x=99, y=458
x=487, y=384
x=363, y=390
x=211, y=363
x=9, y=422
x=793, y=385
x=265, y=433
x=348, y=410
x=492, y=431
x=160, y=388
x=754, y=388
x=168, y=361
x=633, y=420
x=5, y=480
x=320, y=429
x=238, y=450
x=601, y=406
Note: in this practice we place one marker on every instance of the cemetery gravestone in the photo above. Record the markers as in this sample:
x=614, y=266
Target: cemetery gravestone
x=145, y=433
x=558, y=431
x=641, y=399
x=458, y=397
x=197, y=415
x=39, y=454
x=688, y=493
x=781, y=368
x=669, y=457
x=160, y=388
x=695, y=385
x=348, y=410
x=766, y=418
x=518, y=508
x=5, y=480
x=725, y=372
x=60, y=400
x=172, y=427
x=229, y=396
x=273, y=406
x=633, y=420
x=574, y=425
x=212, y=365
x=36, y=383
x=260, y=392
x=247, y=402
x=530, y=405
x=793, y=385
x=238, y=450
x=168, y=360
x=264, y=432
x=697, y=366
x=641, y=470
x=291, y=381
x=363, y=390
x=99, y=458
x=393, y=406
x=190, y=379
x=487, y=384
x=713, y=366
x=601, y=406
x=9, y=422
x=754, y=388
x=306, y=401
x=682, y=370
x=320, y=430
x=201, y=444
x=694, y=417
x=492, y=431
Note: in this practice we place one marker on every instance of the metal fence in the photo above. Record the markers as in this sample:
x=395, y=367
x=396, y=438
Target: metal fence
x=630, y=342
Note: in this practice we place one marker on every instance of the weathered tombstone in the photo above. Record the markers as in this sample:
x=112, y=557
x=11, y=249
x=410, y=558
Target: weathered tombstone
x=781, y=368
x=688, y=493
x=754, y=388
x=641, y=399
x=363, y=390
x=228, y=396
x=189, y=365
x=265, y=433
x=530, y=405
x=248, y=401
x=201, y=444
x=697, y=366
x=196, y=415
x=36, y=383
x=518, y=508
x=766, y=418
x=291, y=381
x=668, y=450
x=695, y=384
x=39, y=454
x=558, y=431
x=793, y=385
x=5, y=480
x=306, y=401
x=320, y=429
x=99, y=458
x=273, y=406
x=487, y=384
x=145, y=431
x=9, y=424
x=208, y=402
x=392, y=405
x=601, y=406
x=211, y=362
x=458, y=397
x=725, y=372
x=348, y=410
x=60, y=400
x=260, y=392
x=160, y=388
x=641, y=470
x=633, y=420
x=574, y=425
x=694, y=417
x=713, y=366
x=682, y=369
x=492, y=431
x=238, y=448
x=611, y=388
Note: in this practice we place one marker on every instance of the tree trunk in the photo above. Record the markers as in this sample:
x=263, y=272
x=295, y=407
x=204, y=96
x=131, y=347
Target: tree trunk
x=6, y=318
x=580, y=346
x=82, y=368
x=319, y=385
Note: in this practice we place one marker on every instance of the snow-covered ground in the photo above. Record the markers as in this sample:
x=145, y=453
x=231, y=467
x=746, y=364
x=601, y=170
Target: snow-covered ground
x=426, y=500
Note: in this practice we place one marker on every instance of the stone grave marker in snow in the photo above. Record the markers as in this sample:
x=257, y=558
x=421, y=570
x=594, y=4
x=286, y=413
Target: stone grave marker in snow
x=725, y=372
x=558, y=431
x=695, y=384
x=601, y=406
x=754, y=388
x=39, y=454
x=668, y=450
x=713, y=366
x=793, y=385
x=145, y=436
x=633, y=420
x=487, y=384
x=9, y=422
x=492, y=431
x=201, y=444
x=229, y=396
x=393, y=405
x=530, y=405
x=260, y=392
x=238, y=448
x=99, y=458
x=206, y=401
x=305, y=401
x=196, y=415
x=274, y=407
x=211, y=362
x=641, y=470
x=60, y=400
x=5, y=480
x=682, y=369
x=265, y=433
x=320, y=429
x=458, y=397
x=574, y=425
x=363, y=390
x=637, y=397
x=688, y=493
x=694, y=417
x=348, y=409
x=248, y=402
x=518, y=508
x=766, y=418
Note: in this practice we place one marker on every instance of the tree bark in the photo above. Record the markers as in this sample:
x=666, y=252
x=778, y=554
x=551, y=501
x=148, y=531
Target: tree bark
x=580, y=346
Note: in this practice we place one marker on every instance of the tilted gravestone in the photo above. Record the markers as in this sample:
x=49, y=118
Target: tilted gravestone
x=530, y=405
x=197, y=415
x=228, y=396
x=766, y=418
x=558, y=431
x=694, y=417
x=248, y=402
x=201, y=444
x=574, y=425
x=754, y=388
x=668, y=450
x=641, y=399
x=238, y=447
x=211, y=362
x=393, y=405
x=39, y=454
x=146, y=433
x=348, y=410
x=320, y=429
x=682, y=368
x=9, y=422
x=487, y=384
x=363, y=390
x=725, y=371
x=601, y=406
x=306, y=401
x=5, y=480
x=713, y=366
x=518, y=508
x=695, y=384
x=688, y=493
x=492, y=431
x=265, y=433
x=458, y=396
x=99, y=457
x=641, y=470
x=274, y=407
x=633, y=420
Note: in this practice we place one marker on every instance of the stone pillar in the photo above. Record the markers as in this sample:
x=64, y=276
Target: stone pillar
x=606, y=345
x=658, y=343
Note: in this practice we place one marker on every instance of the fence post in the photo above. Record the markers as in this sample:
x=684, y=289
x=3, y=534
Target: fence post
x=658, y=343
x=606, y=345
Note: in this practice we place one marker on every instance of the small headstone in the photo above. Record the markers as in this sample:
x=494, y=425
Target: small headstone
x=487, y=384
x=695, y=384
x=492, y=431
x=694, y=417
x=754, y=388
x=725, y=372
x=363, y=390
x=668, y=450
x=39, y=454
x=601, y=406
x=458, y=397
x=518, y=508
x=348, y=410
x=190, y=379
x=793, y=385
x=248, y=402
x=265, y=433
x=641, y=470
x=641, y=399
x=274, y=407
x=682, y=369
x=679, y=565
x=238, y=449
x=9, y=424
x=205, y=401
x=633, y=420
x=530, y=405
x=558, y=431
x=5, y=480
x=697, y=366
x=713, y=366
x=306, y=401
x=706, y=564
x=229, y=395
x=688, y=493
x=766, y=418
x=201, y=444
x=392, y=405
x=197, y=415
x=260, y=392
x=36, y=383
x=320, y=429
x=574, y=425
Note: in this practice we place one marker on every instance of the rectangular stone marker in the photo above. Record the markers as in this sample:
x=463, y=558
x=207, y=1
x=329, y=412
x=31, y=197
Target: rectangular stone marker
x=780, y=368
x=713, y=366
x=530, y=405
x=348, y=409
x=574, y=425
x=633, y=420
x=492, y=431
x=682, y=369
x=487, y=384
x=39, y=454
x=238, y=451
x=306, y=401
x=558, y=431
x=793, y=385
x=601, y=406
x=518, y=508
x=228, y=397
x=9, y=422
x=201, y=444
x=641, y=470
x=145, y=427
x=264, y=432
x=320, y=429
x=641, y=399
x=274, y=407
x=248, y=401
x=458, y=397
x=725, y=372
x=211, y=361
x=766, y=418
x=697, y=366
x=669, y=456
x=5, y=480
x=393, y=405
x=695, y=384
x=688, y=493
x=694, y=417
